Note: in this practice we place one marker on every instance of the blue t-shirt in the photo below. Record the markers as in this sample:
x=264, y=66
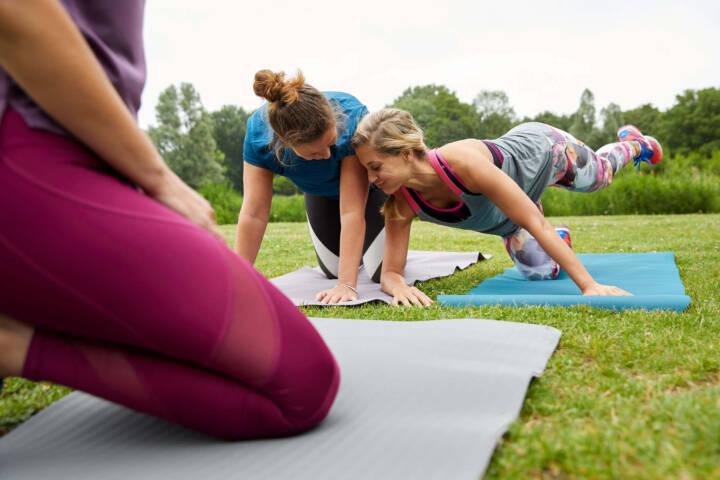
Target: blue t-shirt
x=317, y=177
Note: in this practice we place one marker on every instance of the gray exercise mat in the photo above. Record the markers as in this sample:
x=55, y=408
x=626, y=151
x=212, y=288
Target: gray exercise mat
x=418, y=400
x=302, y=285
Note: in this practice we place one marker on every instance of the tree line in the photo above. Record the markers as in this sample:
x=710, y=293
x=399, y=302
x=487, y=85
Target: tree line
x=206, y=148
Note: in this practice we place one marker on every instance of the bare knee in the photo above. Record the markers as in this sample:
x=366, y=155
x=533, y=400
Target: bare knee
x=15, y=338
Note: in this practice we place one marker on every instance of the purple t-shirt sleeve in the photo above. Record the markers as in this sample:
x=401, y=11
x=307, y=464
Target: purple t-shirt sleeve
x=113, y=30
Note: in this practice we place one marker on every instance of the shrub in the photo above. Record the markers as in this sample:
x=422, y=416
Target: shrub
x=284, y=186
x=225, y=200
x=288, y=209
x=681, y=184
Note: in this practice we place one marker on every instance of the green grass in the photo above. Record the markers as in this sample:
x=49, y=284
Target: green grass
x=626, y=395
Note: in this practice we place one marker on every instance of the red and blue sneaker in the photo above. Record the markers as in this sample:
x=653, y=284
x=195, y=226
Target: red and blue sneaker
x=564, y=232
x=650, y=149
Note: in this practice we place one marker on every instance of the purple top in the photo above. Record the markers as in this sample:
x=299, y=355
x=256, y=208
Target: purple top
x=113, y=29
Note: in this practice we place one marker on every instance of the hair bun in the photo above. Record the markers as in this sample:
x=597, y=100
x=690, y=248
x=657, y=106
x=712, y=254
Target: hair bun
x=273, y=87
x=269, y=85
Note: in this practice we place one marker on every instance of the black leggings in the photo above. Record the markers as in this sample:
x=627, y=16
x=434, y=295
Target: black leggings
x=323, y=215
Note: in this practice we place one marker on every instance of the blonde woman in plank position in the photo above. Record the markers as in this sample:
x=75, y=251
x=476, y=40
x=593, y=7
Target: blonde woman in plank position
x=490, y=187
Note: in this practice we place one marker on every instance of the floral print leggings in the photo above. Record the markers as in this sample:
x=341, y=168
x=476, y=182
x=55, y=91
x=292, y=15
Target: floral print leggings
x=575, y=167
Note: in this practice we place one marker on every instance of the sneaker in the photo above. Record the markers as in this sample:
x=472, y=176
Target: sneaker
x=651, y=151
x=656, y=148
x=564, y=232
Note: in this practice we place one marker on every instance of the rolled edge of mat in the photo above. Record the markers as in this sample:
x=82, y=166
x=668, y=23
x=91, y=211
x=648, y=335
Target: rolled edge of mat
x=649, y=302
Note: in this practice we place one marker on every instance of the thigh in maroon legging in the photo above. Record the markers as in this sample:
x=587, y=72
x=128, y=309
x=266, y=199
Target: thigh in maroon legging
x=133, y=303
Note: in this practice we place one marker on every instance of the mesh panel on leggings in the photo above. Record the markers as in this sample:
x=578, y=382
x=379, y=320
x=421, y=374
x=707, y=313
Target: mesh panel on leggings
x=189, y=395
x=116, y=375
x=248, y=347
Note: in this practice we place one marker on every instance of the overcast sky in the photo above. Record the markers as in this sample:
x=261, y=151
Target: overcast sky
x=541, y=53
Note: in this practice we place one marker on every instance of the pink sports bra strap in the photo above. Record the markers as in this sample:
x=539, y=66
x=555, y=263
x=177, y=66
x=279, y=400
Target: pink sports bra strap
x=413, y=204
x=433, y=157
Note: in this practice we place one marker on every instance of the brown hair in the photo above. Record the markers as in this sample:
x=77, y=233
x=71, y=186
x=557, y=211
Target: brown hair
x=297, y=112
x=390, y=131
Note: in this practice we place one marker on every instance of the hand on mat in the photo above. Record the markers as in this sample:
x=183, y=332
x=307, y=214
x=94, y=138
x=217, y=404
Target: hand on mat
x=598, y=289
x=176, y=195
x=339, y=293
x=408, y=296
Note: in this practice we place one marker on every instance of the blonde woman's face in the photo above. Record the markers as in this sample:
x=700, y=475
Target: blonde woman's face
x=320, y=148
x=387, y=172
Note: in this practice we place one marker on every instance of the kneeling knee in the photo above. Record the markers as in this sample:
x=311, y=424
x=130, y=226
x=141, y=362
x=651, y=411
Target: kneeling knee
x=305, y=392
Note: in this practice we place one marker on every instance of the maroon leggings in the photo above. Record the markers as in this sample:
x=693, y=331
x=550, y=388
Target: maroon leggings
x=133, y=303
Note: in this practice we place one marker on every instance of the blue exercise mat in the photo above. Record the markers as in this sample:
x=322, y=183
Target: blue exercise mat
x=652, y=278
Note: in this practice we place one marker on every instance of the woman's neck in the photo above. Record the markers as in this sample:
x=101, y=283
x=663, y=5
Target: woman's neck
x=423, y=177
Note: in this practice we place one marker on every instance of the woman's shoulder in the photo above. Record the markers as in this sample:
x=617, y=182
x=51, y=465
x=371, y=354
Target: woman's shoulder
x=258, y=118
x=463, y=152
x=258, y=137
x=351, y=112
x=258, y=127
x=347, y=102
x=342, y=97
x=469, y=159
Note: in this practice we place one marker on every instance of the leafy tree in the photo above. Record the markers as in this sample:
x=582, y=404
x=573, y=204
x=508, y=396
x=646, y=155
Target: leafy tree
x=693, y=123
x=489, y=102
x=228, y=129
x=612, y=117
x=583, y=120
x=184, y=137
x=419, y=101
x=495, y=114
x=438, y=111
x=563, y=122
x=645, y=117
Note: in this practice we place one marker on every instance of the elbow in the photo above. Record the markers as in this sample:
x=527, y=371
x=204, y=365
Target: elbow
x=357, y=217
x=249, y=214
x=353, y=221
x=535, y=222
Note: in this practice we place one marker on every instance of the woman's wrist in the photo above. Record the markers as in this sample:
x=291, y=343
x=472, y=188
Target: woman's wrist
x=391, y=282
x=585, y=286
x=158, y=180
x=349, y=287
x=347, y=276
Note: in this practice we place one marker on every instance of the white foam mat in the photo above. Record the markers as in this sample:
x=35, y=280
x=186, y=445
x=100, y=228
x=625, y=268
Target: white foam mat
x=304, y=284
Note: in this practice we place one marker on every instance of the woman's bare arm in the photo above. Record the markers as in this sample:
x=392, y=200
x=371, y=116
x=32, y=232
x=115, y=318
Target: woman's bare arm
x=255, y=211
x=397, y=240
x=481, y=176
x=353, y=197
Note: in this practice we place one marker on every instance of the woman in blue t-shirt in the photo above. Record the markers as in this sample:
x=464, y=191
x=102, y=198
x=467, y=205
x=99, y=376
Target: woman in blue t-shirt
x=304, y=135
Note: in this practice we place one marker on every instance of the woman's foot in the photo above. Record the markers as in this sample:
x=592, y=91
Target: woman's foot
x=15, y=338
x=650, y=149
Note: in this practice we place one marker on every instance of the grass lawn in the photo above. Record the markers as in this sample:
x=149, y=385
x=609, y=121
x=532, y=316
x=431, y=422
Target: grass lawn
x=626, y=395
